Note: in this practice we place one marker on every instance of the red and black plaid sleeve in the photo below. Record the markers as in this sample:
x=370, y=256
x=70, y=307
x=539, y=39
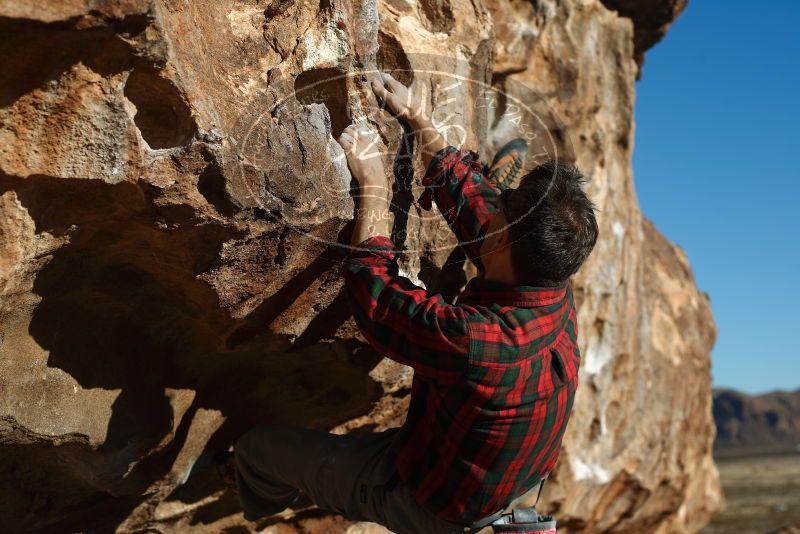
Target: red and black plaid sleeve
x=455, y=180
x=401, y=320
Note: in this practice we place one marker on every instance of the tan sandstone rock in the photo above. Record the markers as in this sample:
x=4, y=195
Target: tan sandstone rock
x=171, y=203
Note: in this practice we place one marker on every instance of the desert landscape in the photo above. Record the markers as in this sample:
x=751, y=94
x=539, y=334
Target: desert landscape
x=762, y=493
x=757, y=452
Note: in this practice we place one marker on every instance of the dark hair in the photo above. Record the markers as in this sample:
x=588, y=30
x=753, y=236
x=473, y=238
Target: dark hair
x=554, y=228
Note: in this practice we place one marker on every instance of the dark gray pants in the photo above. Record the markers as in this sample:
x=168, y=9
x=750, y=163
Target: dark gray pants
x=347, y=474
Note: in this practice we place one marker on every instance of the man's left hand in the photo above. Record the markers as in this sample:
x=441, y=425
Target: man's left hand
x=360, y=145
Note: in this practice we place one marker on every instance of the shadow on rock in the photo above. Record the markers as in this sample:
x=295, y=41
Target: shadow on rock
x=122, y=308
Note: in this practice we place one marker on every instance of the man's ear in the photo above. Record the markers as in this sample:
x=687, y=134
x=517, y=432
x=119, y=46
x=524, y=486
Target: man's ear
x=499, y=236
x=502, y=238
x=498, y=240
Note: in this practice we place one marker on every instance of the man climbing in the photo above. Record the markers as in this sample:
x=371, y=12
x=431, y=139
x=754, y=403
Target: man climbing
x=495, y=373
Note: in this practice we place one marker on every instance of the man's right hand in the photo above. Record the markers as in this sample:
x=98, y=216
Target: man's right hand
x=400, y=100
x=403, y=103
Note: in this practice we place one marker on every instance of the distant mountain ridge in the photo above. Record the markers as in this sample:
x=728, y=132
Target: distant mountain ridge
x=769, y=422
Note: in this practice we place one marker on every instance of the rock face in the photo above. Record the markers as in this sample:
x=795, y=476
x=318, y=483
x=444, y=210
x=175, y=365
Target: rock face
x=650, y=24
x=171, y=203
x=756, y=422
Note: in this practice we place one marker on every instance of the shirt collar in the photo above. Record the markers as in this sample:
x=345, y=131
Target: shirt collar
x=482, y=291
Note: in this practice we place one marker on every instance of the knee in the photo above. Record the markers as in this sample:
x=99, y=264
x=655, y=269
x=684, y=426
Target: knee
x=254, y=440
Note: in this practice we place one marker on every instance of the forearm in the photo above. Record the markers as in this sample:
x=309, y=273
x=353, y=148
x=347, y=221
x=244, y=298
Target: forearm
x=401, y=320
x=429, y=139
x=465, y=198
x=372, y=213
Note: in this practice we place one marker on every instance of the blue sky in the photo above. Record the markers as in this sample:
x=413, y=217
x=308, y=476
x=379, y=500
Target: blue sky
x=716, y=168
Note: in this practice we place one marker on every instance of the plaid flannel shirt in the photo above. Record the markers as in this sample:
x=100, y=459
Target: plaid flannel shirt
x=495, y=373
